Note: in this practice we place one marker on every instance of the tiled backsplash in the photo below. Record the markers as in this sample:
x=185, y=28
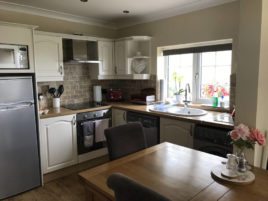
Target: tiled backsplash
x=78, y=87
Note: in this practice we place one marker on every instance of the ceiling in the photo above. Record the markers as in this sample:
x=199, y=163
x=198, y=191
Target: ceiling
x=110, y=11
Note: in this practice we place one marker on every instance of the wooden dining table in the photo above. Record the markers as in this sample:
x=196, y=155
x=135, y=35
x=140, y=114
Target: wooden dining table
x=179, y=173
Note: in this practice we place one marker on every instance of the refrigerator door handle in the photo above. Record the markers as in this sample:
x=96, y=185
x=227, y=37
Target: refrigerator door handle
x=16, y=106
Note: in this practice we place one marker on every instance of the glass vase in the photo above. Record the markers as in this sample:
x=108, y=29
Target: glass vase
x=241, y=161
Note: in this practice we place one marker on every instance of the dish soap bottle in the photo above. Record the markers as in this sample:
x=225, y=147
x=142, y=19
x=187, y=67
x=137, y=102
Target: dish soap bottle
x=222, y=104
x=215, y=100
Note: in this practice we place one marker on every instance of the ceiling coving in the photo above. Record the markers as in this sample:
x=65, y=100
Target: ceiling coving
x=109, y=13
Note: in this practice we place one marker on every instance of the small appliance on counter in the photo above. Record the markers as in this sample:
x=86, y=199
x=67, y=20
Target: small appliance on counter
x=114, y=95
x=146, y=97
x=97, y=94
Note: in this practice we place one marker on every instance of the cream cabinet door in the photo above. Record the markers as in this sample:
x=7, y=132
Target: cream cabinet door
x=58, y=142
x=106, y=54
x=119, y=117
x=120, y=57
x=176, y=132
x=48, y=58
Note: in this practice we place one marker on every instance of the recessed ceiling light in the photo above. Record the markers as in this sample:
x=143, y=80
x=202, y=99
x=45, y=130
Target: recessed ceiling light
x=83, y=0
x=126, y=11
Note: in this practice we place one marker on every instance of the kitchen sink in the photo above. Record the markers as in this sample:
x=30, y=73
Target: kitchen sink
x=179, y=111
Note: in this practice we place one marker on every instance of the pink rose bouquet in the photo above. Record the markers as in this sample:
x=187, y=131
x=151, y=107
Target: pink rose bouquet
x=244, y=137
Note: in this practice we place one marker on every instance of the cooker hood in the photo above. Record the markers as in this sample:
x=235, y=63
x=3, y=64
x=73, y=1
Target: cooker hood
x=80, y=51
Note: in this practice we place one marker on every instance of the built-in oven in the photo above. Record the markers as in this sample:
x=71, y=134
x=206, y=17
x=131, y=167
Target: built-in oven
x=91, y=141
x=14, y=56
x=212, y=140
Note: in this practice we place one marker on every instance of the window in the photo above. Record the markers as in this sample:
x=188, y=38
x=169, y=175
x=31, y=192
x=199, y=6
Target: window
x=206, y=69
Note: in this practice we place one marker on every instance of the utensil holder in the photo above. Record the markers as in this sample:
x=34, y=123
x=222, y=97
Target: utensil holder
x=56, y=102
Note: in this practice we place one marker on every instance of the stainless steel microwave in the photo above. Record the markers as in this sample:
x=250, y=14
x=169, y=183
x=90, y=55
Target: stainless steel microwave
x=13, y=56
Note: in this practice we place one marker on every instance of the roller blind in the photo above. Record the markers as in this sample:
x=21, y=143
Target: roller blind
x=210, y=48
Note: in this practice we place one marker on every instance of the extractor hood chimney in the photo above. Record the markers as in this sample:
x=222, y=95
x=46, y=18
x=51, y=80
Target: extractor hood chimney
x=80, y=51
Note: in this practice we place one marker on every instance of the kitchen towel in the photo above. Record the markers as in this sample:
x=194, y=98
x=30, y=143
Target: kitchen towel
x=88, y=133
x=100, y=126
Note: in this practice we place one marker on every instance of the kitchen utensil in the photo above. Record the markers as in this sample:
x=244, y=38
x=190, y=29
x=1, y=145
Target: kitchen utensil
x=52, y=92
x=60, y=91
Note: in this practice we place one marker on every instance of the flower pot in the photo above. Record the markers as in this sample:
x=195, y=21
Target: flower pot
x=178, y=98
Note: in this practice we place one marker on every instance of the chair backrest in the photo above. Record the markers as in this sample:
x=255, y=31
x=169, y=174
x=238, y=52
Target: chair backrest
x=126, y=189
x=125, y=139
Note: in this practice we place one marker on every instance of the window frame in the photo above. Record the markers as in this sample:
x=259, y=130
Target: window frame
x=196, y=81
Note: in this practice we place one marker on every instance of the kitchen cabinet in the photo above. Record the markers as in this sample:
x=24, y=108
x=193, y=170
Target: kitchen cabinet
x=132, y=58
x=177, y=132
x=119, y=117
x=58, y=142
x=106, y=57
x=132, y=55
x=18, y=35
x=48, y=57
x=120, y=57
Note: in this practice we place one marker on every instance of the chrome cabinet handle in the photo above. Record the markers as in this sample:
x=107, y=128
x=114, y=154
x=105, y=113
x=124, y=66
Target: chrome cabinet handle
x=18, y=106
x=74, y=121
x=124, y=116
x=192, y=130
x=61, y=70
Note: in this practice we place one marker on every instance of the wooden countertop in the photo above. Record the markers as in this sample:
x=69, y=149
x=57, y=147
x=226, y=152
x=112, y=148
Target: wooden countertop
x=177, y=172
x=64, y=111
x=212, y=118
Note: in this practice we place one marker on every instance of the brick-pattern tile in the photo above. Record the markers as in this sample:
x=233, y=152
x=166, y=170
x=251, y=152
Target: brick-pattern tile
x=78, y=87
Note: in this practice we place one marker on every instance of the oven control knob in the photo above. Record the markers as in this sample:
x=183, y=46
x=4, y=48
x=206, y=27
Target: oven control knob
x=85, y=116
x=94, y=115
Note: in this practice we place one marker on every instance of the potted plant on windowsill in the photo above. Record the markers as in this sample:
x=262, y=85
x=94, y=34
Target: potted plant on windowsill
x=179, y=95
x=216, y=93
x=178, y=91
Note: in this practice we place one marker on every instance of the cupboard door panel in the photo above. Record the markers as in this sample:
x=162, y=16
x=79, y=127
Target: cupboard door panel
x=58, y=143
x=48, y=58
x=177, y=132
x=106, y=51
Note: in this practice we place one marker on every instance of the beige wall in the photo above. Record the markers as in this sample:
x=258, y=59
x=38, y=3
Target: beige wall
x=54, y=25
x=252, y=72
x=262, y=102
x=215, y=23
x=248, y=63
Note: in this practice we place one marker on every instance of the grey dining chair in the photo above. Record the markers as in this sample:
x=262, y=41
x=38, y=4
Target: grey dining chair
x=126, y=189
x=125, y=139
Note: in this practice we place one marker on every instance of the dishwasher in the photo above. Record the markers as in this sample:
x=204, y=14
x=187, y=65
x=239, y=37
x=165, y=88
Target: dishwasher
x=150, y=125
x=212, y=140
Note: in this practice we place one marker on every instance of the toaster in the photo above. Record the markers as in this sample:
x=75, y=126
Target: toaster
x=114, y=95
